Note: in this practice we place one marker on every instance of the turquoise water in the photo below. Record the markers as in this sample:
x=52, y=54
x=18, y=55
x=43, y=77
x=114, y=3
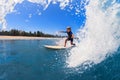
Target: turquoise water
x=29, y=60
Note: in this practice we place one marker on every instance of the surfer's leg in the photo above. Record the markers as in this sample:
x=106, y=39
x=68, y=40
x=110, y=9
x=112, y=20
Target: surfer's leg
x=72, y=42
x=65, y=42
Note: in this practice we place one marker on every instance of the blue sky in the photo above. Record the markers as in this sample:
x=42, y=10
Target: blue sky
x=31, y=17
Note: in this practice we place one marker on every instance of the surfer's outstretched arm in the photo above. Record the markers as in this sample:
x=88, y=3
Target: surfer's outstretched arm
x=62, y=31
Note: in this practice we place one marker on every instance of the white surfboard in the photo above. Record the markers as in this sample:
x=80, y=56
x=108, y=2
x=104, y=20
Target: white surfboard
x=57, y=47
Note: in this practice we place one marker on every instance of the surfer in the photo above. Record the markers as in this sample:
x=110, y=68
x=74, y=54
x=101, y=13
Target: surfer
x=70, y=36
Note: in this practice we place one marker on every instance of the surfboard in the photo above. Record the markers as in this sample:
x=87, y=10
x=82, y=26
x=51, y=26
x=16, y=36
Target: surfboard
x=54, y=47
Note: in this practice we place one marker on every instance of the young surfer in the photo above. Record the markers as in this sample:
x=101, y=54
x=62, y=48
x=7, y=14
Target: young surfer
x=70, y=36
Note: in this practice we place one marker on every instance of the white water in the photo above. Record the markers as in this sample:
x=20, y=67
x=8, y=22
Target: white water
x=6, y=7
x=99, y=36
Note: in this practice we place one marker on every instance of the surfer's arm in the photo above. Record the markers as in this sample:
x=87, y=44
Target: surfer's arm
x=62, y=31
x=72, y=35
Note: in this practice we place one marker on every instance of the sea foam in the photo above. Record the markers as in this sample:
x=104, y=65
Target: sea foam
x=100, y=35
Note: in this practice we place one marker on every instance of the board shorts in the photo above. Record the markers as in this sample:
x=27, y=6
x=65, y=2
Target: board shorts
x=70, y=39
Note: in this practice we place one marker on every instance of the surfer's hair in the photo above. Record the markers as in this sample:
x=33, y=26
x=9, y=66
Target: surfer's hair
x=69, y=28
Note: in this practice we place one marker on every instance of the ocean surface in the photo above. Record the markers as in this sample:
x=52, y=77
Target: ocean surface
x=30, y=60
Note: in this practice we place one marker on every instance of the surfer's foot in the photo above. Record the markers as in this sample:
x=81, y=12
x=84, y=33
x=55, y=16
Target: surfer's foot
x=64, y=45
x=73, y=44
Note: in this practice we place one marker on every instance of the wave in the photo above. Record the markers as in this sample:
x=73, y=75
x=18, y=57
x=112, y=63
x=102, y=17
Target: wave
x=101, y=34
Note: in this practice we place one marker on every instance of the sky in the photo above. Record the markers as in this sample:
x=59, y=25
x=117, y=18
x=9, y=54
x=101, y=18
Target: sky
x=31, y=16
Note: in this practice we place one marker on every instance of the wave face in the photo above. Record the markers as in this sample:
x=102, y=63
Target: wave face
x=101, y=34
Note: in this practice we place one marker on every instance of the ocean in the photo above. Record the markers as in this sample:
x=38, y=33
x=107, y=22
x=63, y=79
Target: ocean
x=30, y=60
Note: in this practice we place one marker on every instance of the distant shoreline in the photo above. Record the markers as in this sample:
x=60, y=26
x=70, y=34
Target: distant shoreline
x=24, y=38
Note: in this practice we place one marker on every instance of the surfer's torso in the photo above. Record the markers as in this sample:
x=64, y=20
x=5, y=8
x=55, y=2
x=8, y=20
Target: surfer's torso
x=69, y=35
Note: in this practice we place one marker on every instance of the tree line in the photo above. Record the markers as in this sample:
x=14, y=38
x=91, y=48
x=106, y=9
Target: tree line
x=15, y=32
